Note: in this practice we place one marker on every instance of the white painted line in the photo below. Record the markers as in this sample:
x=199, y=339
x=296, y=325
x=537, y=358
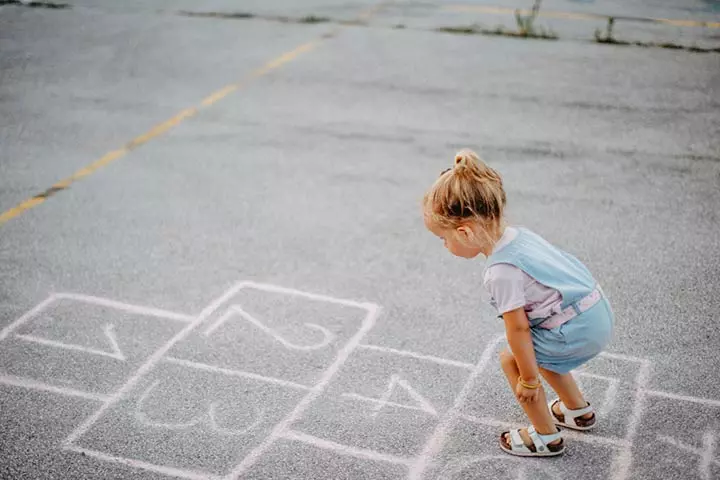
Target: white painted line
x=625, y=358
x=169, y=471
x=429, y=358
x=17, y=323
x=150, y=363
x=447, y=422
x=311, y=396
x=328, y=336
x=684, y=398
x=127, y=307
x=259, y=418
x=575, y=436
x=345, y=449
x=109, y=333
x=44, y=387
x=380, y=404
x=621, y=464
x=235, y=373
x=321, y=298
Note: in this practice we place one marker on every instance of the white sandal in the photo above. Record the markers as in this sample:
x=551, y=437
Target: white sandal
x=569, y=417
x=540, y=443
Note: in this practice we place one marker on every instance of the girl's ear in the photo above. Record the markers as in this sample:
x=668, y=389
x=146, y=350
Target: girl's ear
x=465, y=232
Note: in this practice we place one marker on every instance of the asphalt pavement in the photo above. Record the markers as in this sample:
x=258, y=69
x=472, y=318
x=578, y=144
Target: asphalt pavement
x=213, y=262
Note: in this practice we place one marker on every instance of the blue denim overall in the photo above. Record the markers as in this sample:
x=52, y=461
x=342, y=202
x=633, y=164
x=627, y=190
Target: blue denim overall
x=573, y=343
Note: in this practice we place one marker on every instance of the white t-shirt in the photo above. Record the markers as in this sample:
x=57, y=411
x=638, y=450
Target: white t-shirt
x=512, y=288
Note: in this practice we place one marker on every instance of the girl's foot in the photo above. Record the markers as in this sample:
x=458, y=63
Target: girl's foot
x=526, y=442
x=577, y=419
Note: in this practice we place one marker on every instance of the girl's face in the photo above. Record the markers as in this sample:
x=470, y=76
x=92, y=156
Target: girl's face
x=460, y=241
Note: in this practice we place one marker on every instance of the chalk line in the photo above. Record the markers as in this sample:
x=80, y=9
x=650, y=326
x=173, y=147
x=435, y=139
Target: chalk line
x=610, y=392
x=284, y=425
x=169, y=471
x=109, y=333
x=430, y=358
x=619, y=356
x=623, y=460
x=150, y=363
x=447, y=422
x=236, y=309
x=705, y=453
x=235, y=373
x=27, y=316
x=379, y=404
x=313, y=296
x=683, y=398
x=145, y=420
x=345, y=449
x=44, y=387
x=127, y=307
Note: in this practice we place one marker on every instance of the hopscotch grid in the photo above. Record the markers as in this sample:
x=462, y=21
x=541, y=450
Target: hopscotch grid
x=419, y=356
x=284, y=425
x=705, y=455
x=31, y=384
x=149, y=363
x=346, y=450
x=139, y=464
x=235, y=373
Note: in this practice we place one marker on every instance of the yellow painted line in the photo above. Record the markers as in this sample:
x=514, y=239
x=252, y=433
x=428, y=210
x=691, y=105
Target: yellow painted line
x=576, y=15
x=154, y=132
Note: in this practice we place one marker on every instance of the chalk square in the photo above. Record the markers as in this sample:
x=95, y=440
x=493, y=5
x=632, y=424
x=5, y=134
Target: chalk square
x=472, y=452
x=301, y=461
x=384, y=402
x=186, y=419
x=276, y=332
x=84, y=343
x=677, y=439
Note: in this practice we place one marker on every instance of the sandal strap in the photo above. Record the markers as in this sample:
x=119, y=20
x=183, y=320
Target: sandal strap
x=573, y=414
x=517, y=443
x=541, y=440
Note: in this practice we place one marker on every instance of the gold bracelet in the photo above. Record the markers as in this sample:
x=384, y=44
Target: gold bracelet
x=527, y=385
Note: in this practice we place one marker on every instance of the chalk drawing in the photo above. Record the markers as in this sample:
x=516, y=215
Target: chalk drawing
x=328, y=336
x=515, y=468
x=422, y=404
x=210, y=416
x=705, y=452
x=44, y=387
x=109, y=331
x=429, y=358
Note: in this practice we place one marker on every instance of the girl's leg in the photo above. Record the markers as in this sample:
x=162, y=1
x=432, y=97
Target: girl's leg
x=537, y=412
x=568, y=391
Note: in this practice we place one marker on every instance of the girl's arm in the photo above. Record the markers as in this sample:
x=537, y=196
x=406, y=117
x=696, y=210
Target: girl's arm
x=517, y=328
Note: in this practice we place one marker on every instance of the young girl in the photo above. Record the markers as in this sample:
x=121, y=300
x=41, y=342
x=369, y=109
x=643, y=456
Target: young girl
x=556, y=316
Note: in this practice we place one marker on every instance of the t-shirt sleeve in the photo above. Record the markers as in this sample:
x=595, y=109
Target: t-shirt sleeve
x=505, y=283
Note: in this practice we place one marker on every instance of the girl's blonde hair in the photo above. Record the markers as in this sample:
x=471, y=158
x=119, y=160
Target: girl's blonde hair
x=470, y=191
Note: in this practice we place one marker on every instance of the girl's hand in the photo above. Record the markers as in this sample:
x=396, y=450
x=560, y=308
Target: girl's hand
x=526, y=395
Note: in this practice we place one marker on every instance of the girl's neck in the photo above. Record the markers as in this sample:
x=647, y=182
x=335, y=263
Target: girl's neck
x=494, y=238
